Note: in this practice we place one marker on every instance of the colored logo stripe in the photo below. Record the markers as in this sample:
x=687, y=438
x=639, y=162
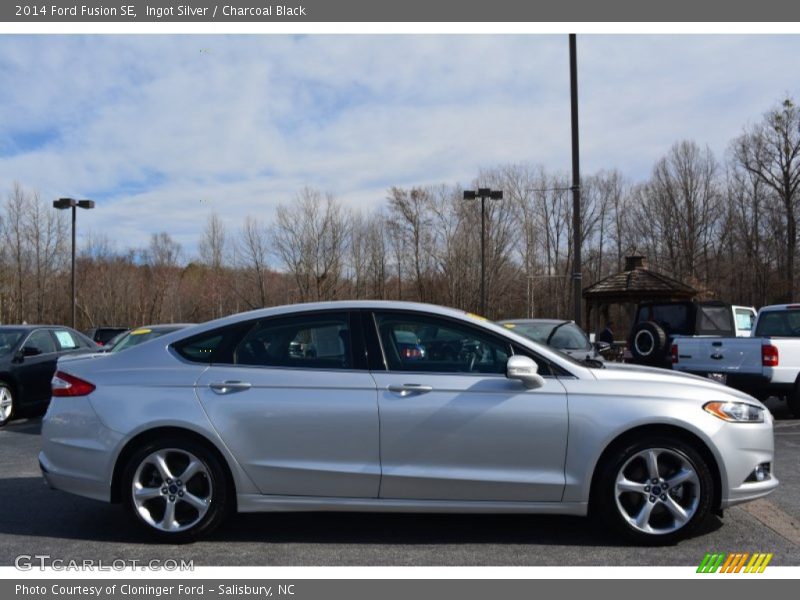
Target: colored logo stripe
x=734, y=563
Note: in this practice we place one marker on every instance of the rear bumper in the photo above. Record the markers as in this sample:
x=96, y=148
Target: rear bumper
x=77, y=449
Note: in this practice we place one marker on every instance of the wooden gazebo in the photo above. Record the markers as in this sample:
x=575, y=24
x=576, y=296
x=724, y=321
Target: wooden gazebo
x=635, y=284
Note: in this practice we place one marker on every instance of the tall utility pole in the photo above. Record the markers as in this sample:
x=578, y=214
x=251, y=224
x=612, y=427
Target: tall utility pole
x=576, y=183
x=483, y=194
x=69, y=203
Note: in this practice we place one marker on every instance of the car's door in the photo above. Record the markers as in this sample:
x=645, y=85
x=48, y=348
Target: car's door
x=35, y=367
x=298, y=407
x=453, y=427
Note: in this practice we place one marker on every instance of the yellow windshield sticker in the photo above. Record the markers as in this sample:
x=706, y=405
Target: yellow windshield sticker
x=509, y=325
x=140, y=331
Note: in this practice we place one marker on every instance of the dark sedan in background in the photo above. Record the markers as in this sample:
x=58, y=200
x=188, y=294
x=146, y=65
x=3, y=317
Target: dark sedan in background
x=28, y=355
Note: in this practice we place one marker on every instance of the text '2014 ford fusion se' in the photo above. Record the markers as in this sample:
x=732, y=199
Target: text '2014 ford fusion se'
x=393, y=406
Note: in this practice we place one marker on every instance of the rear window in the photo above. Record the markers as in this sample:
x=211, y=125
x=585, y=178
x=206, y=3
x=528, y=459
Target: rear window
x=714, y=320
x=673, y=318
x=778, y=323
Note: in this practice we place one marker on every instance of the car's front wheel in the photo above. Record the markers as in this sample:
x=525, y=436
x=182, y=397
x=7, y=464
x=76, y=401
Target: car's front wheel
x=176, y=489
x=6, y=404
x=655, y=490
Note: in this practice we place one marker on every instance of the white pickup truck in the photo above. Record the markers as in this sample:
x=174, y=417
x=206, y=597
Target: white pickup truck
x=766, y=364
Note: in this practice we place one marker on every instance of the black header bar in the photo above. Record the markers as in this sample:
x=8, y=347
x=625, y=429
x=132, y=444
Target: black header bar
x=413, y=11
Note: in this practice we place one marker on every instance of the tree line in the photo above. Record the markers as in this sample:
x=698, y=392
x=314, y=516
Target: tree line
x=726, y=225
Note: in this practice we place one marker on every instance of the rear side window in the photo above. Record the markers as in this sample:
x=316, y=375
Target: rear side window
x=317, y=341
x=66, y=340
x=214, y=346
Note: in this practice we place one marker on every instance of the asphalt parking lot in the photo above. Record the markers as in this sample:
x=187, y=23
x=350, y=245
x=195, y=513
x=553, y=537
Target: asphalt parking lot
x=36, y=520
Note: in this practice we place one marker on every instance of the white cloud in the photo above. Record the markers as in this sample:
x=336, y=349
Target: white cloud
x=160, y=130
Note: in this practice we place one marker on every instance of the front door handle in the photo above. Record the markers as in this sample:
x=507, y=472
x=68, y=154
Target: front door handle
x=228, y=387
x=410, y=389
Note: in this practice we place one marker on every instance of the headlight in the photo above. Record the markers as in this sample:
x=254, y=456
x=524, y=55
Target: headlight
x=735, y=412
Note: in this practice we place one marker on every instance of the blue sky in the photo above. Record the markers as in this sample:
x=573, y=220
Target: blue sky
x=163, y=130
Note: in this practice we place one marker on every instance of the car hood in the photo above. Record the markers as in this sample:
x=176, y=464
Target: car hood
x=654, y=376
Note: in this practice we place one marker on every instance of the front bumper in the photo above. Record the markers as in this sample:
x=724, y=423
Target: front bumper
x=77, y=449
x=742, y=447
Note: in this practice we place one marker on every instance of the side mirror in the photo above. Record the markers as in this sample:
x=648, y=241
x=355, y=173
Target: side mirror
x=601, y=347
x=525, y=370
x=19, y=355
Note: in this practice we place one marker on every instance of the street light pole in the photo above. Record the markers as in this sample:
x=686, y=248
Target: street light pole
x=62, y=204
x=483, y=194
x=576, y=182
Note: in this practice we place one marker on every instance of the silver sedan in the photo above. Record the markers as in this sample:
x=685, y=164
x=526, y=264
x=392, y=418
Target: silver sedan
x=391, y=406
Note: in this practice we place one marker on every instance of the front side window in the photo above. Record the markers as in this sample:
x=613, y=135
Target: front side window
x=42, y=341
x=308, y=342
x=421, y=343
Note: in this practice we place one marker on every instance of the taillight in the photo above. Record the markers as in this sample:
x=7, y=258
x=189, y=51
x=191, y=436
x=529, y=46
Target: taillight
x=674, y=352
x=64, y=384
x=769, y=356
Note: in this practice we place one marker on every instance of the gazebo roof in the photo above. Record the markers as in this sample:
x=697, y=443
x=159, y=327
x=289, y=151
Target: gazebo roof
x=638, y=283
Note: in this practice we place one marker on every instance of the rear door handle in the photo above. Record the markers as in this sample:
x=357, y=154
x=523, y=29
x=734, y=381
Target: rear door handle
x=229, y=387
x=410, y=389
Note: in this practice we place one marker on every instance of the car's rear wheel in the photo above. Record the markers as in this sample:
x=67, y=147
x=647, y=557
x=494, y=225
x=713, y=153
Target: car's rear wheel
x=6, y=404
x=656, y=490
x=176, y=489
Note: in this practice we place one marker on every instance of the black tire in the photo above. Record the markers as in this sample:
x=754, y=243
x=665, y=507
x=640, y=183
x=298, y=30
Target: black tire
x=648, y=343
x=212, y=483
x=615, y=509
x=793, y=400
x=8, y=405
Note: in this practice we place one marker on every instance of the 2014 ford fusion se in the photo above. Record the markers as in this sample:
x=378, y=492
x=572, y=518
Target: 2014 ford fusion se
x=317, y=407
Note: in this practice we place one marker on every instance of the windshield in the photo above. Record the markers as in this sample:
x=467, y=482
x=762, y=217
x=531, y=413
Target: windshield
x=563, y=335
x=9, y=339
x=138, y=336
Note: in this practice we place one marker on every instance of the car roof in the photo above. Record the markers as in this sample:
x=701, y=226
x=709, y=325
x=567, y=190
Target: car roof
x=28, y=327
x=543, y=321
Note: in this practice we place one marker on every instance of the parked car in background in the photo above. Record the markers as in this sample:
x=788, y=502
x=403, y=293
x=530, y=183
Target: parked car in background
x=564, y=336
x=114, y=341
x=768, y=364
x=102, y=335
x=28, y=355
x=134, y=337
x=226, y=415
x=656, y=324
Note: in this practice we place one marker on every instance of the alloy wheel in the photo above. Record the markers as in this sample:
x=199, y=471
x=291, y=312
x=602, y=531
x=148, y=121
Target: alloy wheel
x=657, y=491
x=172, y=490
x=6, y=404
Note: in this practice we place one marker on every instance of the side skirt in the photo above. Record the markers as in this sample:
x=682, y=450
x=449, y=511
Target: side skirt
x=259, y=503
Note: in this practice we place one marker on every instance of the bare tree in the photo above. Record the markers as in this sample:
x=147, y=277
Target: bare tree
x=310, y=239
x=770, y=150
